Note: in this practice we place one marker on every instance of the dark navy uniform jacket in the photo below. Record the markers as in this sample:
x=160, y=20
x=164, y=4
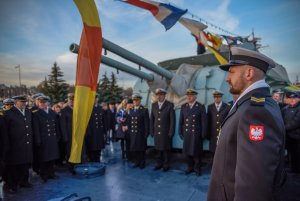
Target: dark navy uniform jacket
x=162, y=125
x=20, y=136
x=3, y=143
x=95, y=130
x=192, y=127
x=248, y=161
x=291, y=117
x=214, y=120
x=138, y=126
x=46, y=134
x=66, y=127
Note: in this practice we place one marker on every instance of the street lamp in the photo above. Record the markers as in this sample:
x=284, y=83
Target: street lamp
x=19, y=67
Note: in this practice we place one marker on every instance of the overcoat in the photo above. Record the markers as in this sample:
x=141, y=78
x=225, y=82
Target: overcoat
x=66, y=127
x=214, y=120
x=20, y=136
x=248, y=161
x=162, y=125
x=192, y=128
x=138, y=125
x=46, y=134
x=95, y=130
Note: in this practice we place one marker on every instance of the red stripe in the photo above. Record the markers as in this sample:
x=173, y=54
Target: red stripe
x=89, y=57
x=152, y=8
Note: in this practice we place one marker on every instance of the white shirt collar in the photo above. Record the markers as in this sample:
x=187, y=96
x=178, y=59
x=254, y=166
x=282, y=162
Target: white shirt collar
x=161, y=103
x=191, y=105
x=255, y=85
x=21, y=110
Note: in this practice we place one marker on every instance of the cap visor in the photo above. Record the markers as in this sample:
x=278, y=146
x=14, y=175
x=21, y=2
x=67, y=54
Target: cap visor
x=226, y=67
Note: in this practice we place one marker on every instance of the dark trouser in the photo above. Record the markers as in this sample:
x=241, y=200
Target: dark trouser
x=294, y=152
x=62, y=152
x=139, y=157
x=194, y=162
x=47, y=169
x=125, y=147
x=35, y=161
x=94, y=156
x=17, y=174
x=163, y=158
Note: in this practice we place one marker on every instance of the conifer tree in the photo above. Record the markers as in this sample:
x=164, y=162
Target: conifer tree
x=57, y=87
x=104, y=88
x=116, y=91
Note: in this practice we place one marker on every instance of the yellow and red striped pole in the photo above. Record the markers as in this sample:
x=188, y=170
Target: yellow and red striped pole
x=88, y=65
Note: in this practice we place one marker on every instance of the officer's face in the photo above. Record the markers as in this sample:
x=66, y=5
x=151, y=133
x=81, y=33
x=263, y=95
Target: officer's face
x=161, y=97
x=293, y=101
x=218, y=99
x=276, y=97
x=136, y=102
x=191, y=98
x=20, y=104
x=235, y=79
x=8, y=106
x=43, y=104
x=71, y=101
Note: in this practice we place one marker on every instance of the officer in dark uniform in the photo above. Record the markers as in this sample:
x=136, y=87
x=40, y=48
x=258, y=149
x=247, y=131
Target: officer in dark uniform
x=35, y=161
x=248, y=162
x=192, y=129
x=3, y=148
x=8, y=103
x=162, y=127
x=46, y=137
x=291, y=117
x=111, y=121
x=138, y=126
x=66, y=127
x=216, y=113
x=95, y=133
x=18, y=121
x=277, y=97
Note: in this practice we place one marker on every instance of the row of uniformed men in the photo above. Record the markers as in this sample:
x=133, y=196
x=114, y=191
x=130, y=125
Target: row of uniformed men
x=193, y=124
x=31, y=138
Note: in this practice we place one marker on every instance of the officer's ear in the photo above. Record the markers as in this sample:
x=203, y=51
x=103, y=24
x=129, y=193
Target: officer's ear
x=249, y=73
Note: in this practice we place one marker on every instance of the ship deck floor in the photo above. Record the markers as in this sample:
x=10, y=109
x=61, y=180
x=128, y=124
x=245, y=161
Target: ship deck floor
x=124, y=183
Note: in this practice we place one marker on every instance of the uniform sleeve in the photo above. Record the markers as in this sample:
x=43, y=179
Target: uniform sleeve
x=180, y=123
x=257, y=161
x=293, y=123
x=63, y=127
x=203, y=121
x=146, y=117
x=172, y=121
x=208, y=134
x=36, y=129
x=152, y=121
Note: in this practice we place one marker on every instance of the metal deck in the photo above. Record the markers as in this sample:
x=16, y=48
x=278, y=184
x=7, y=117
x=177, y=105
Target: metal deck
x=124, y=183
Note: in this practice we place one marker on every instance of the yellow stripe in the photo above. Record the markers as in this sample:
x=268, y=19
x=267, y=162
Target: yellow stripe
x=88, y=12
x=83, y=105
x=258, y=99
x=218, y=56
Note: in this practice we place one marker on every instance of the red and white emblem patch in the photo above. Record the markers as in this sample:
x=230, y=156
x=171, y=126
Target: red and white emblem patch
x=256, y=133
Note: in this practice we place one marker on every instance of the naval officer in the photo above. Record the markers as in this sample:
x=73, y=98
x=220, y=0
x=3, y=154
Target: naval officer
x=18, y=122
x=192, y=129
x=162, y=127
x=46, y=137
x=138, y=126
x=216, y=113
x=248, y=162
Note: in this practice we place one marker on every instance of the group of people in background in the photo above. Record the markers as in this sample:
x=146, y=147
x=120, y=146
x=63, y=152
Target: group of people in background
x=40, y=137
